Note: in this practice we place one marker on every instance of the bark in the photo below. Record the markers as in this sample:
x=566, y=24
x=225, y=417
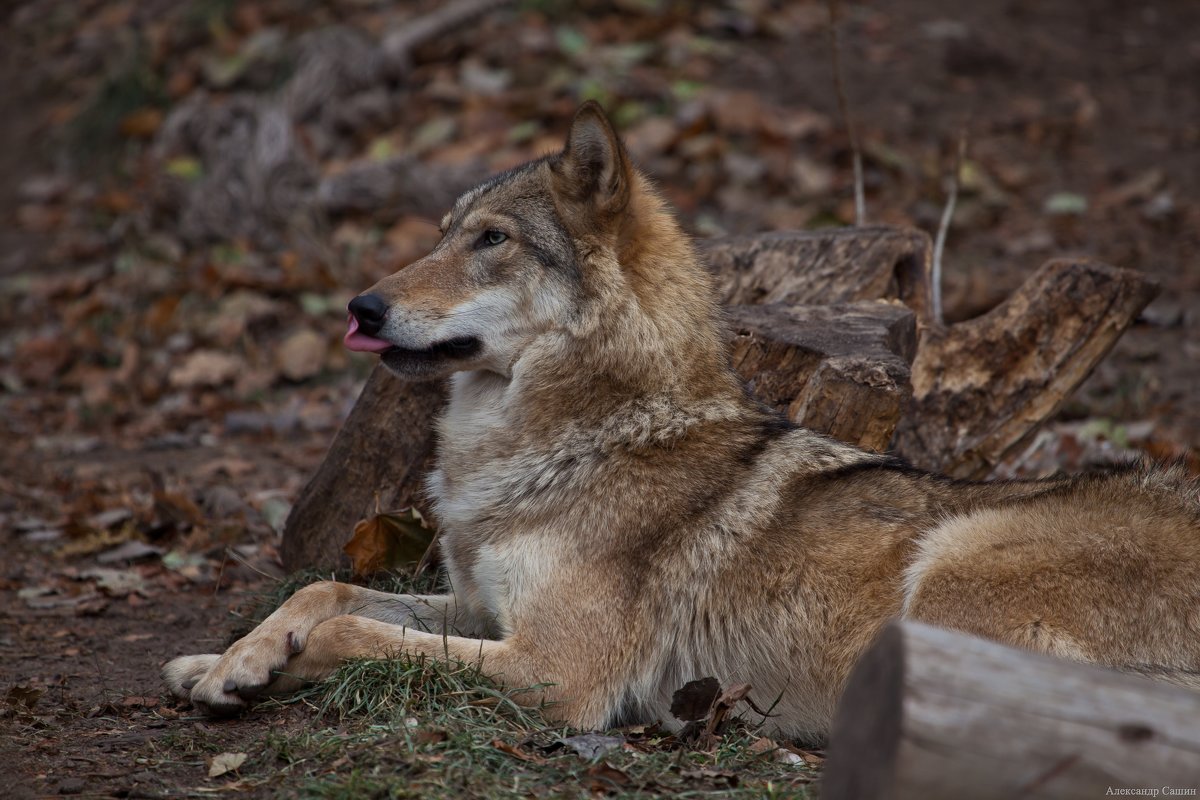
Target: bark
x=841, y=370
x=844, y=265
x=384, y=447
x=982, y=387
x=931, y=714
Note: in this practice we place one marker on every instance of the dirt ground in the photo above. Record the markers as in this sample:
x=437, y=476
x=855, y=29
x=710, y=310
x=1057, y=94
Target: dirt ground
x=156, y=428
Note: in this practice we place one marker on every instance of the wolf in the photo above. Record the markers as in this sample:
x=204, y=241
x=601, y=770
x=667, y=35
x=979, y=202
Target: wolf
x=619, y=517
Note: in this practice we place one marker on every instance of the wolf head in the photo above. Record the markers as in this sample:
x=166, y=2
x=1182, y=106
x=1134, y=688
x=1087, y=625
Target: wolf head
x=561, y=248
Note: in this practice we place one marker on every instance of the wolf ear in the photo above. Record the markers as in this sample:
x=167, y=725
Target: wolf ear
x=593, y=165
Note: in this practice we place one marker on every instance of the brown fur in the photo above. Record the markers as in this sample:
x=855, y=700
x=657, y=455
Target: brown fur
x=619, y=517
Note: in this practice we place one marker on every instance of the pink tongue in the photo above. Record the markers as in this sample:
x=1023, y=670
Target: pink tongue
x=361, y=343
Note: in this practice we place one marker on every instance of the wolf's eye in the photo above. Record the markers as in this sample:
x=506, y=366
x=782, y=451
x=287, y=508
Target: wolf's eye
x=492, y=238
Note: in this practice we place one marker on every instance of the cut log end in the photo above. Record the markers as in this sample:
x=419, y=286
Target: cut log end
x=841, y=370
x=932, y=714
x=824, y=267
x=867, y=731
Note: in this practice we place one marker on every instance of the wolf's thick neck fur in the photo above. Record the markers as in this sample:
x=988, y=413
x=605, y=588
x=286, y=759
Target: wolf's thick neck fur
x=643, y=365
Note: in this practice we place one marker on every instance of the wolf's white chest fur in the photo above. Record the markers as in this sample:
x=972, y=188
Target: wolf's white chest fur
x=506, y=571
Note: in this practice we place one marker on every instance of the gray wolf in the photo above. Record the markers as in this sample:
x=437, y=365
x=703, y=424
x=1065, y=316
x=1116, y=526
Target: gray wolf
x=619, y=517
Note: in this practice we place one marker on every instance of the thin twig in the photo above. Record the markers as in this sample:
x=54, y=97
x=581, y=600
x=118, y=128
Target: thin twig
x=835, y=53
x=238, y=557
x=939, y=244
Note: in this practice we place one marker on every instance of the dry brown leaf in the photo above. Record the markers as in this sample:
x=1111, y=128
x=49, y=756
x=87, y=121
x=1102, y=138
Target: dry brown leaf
x=25, y=697
x=762, y=745
x=516, y=752
x=695, y=699
x=142, y=124
x=605, y=778
x=206, y=368
x=176, y=509
x=388, y=541
x=220, y=764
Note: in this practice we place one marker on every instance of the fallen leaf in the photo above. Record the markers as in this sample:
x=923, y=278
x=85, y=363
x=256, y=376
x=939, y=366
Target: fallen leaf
x=176, y=509
x=110, y=518
x=193, y=566
x=206, y=368
x=218, y=765
x=388, y=541
x=23, y=696
x=92, y=541
x=189, y=169
x=133, y=550
x=115, y=582
x=516, y=752
x=116, y=202
x=275, y=511
x=302, y=355
x=142, y=124
x=93, y=605
x=1062, y=203
x=137, y=701
x=762, y=745
x=34, y=592
x=431, y=736
x=603, y=777
x=695, y=699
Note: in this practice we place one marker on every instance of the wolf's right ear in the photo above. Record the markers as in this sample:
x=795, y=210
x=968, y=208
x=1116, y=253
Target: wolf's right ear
x=593, y=165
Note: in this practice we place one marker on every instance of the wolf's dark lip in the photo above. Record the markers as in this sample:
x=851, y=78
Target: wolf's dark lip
x=460, y=347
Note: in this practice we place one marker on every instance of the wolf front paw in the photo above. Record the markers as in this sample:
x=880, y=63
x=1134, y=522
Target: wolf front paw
x=244, y=672
x=182, y=674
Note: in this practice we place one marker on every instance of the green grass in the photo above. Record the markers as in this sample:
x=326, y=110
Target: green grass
x=423, y=727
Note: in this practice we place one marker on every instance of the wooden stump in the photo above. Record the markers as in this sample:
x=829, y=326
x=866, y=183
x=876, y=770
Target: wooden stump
x=824, y=267
x=931, y=714
x=383, y=447
x=841, y=370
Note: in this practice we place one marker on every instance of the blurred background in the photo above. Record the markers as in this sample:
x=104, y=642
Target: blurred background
x=191, y=191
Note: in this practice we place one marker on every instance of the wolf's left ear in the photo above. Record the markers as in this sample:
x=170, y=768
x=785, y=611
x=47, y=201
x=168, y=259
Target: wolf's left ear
x=593, y=166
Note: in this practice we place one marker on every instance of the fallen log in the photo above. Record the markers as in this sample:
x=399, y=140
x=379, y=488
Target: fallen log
x=842, y=370
x=982, y=387
x=931, y=714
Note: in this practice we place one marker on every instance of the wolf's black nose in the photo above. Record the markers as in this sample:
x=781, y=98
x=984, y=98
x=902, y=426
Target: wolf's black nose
x=369, y=310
